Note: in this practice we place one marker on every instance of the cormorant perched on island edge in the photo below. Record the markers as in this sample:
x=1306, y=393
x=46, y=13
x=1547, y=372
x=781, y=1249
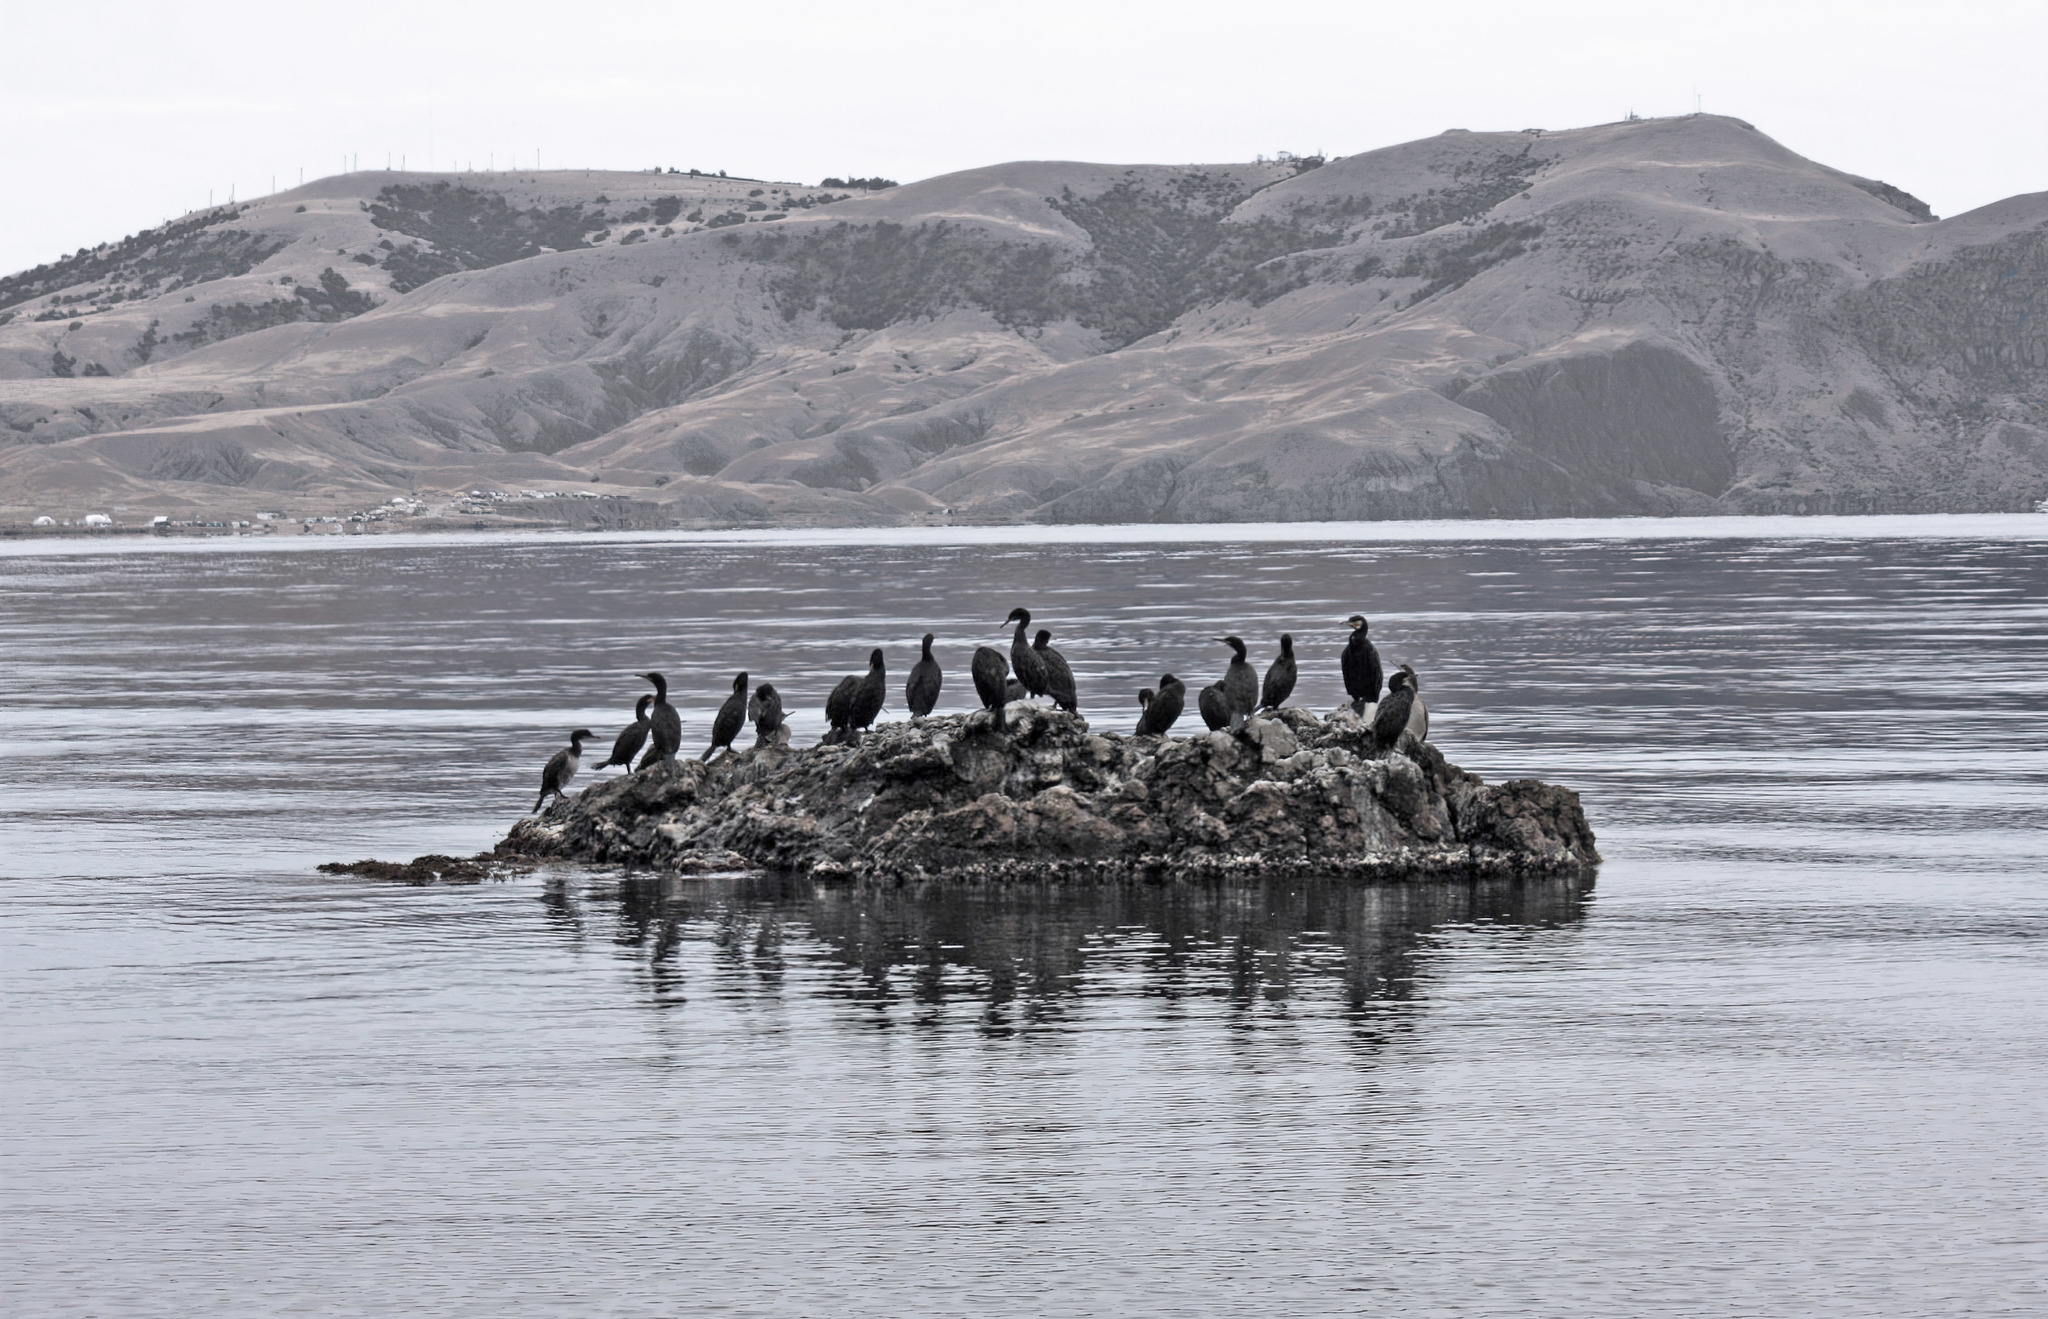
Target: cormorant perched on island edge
x=766, y=712
x=1059, y=675
x=664, y=725
x=1362, y=673
x=991, y=681
x=921, y=693
x=562, y=767
x=731, y=717
x=1390, y=721
x=1279, y=676
x=869, y=694
x=1240, y=683
x=1024, y=661
x=632, y=737
x=1164, y=708
x=839, y=709
x=1418, y=714
x=1214, y=705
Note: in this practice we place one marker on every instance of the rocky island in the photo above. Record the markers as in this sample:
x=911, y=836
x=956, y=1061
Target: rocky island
x=955, y=798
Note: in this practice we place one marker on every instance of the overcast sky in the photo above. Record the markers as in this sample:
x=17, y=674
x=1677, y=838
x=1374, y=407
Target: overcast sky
x=118, y=115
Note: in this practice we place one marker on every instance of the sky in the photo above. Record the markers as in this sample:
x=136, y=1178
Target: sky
x=130, y=114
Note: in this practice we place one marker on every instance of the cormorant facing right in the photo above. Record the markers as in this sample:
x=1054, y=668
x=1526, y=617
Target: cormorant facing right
x=731, y=717
x=869, y=694
x=1214, y=705
x=561, y=768
x=1279, y=676
x=1391, y=720
x=1418, y=714
x=1240, y=683
x=1029, y=666
x=921, y=693
x=991, y=681
x=664, y=725
x=766, y=712
x=632, y=737
x=1164, y=707
x=1362, y=672
x=1059, y=675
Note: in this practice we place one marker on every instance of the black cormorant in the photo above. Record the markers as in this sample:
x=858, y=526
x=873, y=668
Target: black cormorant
x=839, y=709
x=1164, y=707
x=561, y=768
x=1059, y=675
x=632, y=737
x=1279, y=676
x=1240, y=683
x=868, y=694
x=731, y=717
x=766, y=712
x=1362, y=673
x=991, y=681
x=1025, y=661
x=1214, y=705
x=1418, y=714
x=664, y=725
x=1390, y=721
x=921, y=693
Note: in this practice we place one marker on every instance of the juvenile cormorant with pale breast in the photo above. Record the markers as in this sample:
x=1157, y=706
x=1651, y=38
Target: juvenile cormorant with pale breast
x=1279, y=676
x=1362, y=672
x=1418, y=714
x=561, y=767
x=731, y=717
x=921, y=693
x=1059, y=675
x=664, y=725
x=632, y=737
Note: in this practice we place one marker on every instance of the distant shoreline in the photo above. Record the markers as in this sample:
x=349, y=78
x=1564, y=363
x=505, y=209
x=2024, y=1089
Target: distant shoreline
x=1780, y=526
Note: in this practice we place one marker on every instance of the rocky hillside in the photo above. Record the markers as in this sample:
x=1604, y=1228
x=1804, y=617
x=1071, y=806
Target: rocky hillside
x=1647, y=317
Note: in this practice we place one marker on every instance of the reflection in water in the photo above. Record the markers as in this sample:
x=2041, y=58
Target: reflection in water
x=1026, y=957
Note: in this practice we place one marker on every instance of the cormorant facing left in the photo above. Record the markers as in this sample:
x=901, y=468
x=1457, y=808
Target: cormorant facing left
x=1029, y=666
x=1390, y=721
x=664, y=725
x=1163, y=708
x=561, y=768
x=921, y=693
x=1240, y=683
x=766, y=712
x=991, y=681
x=869, y=695
x=1214, y=705
x=1059, y=675
x=632, y=737
x=1279, y=676
x=731, y=717
x=1362, y=671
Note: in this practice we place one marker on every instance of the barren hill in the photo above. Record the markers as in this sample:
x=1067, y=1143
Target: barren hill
x=1654, y=316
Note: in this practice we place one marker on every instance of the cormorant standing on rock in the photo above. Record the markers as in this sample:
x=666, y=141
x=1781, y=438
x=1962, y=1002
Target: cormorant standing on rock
x=766, y=712
x=1418, y=714
x=1029, y=667
x=664, y=725
x=1059, y=675
x=1279, y=676
x=1362, y=672
x=991, y=681
x=839, y=709
x=1390, y=721
x=1240, y=683
x=921, y=693
x=868, y=694
x=1214, y=705
x=1164, y=707
x=562, y=767
x=731, y=717
x=632, y=737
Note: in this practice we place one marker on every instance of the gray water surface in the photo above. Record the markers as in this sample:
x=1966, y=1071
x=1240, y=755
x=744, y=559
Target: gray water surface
x=1786, y=1056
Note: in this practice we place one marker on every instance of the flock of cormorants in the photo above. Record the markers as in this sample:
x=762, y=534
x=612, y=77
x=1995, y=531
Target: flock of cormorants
x=1031, y=669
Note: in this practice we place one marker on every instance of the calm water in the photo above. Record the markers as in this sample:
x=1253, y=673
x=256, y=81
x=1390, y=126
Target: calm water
x=1786, y=1057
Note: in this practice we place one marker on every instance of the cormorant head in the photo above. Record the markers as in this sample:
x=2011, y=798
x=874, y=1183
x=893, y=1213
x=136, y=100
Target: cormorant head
x=766, y=691
x=739, y=681
x=1286, y=644
x=928, y=645
x=1168, y=680
x=580, y=734
x=1144, y=698
x=1020, y=616
x=1044, y=639
x=660, y=683
x=1408, y=673
x=1234, y=644
x=1396, y=682
x=875, y=658
x=640, y=706
x=1356, y=622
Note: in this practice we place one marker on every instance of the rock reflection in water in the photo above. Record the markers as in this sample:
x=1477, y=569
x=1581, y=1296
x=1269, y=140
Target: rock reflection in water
x=1029, y=955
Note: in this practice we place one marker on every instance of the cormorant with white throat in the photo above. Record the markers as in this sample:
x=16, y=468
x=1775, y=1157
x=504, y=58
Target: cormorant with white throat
x=1279, y=676
x=1240, y=683
x=1025, y=661
x=1362, y=672
x=1164, y=708
x=991, y=681
x=731, y=717
x=921, y=693
x=632, y=737
x=664, y=725
x=1059, y=675
x=561, y=767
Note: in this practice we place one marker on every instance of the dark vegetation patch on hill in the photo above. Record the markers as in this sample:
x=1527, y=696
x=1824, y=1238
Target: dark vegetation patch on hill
x=332, y=301
x=145, y=265
x=471, y=230
x=1480, y=185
